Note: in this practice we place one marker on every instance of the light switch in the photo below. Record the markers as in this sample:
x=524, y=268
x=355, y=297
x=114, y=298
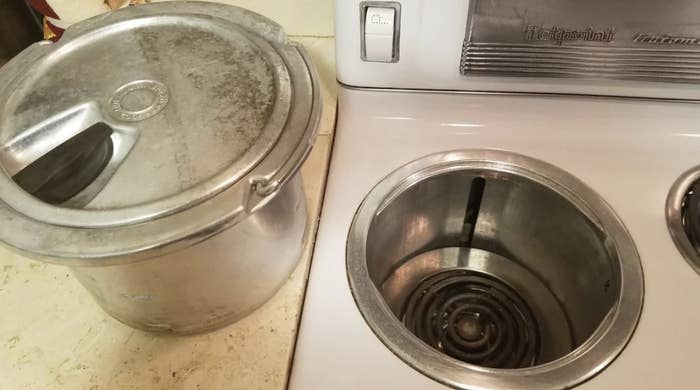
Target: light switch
x=379, y=34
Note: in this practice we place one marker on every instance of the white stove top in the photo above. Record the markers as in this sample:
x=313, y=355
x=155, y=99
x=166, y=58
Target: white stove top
x=629, y=151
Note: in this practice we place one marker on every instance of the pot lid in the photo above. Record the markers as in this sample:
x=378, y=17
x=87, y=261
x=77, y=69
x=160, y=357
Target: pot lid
x=151, y=110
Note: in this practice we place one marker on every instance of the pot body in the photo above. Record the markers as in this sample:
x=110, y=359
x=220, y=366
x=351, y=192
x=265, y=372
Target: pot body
x=212, y=283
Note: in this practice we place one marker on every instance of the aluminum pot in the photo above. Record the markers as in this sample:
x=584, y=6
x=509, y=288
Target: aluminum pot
x=155, y=150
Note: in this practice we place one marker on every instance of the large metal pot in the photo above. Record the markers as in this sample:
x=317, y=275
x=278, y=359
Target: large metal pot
x=155, y=150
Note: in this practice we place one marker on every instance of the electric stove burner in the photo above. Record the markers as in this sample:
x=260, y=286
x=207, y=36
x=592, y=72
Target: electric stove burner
x=474, y=317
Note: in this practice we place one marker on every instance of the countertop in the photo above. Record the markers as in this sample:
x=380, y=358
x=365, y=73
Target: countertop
x=54, y=336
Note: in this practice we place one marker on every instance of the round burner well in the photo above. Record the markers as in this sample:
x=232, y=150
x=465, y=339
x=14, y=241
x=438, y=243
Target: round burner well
x=683, y=216
x=471, y=265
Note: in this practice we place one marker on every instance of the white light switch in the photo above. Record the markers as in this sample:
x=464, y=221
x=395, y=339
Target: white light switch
x=379, y=34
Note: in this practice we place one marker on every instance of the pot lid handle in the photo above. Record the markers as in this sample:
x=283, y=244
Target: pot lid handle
x=265, y=187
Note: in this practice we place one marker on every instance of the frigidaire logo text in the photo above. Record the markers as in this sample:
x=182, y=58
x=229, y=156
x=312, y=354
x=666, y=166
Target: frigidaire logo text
x=561, y=35
x=666, y=39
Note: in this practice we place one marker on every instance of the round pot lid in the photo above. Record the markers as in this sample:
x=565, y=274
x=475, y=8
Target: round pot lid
x=150, y=111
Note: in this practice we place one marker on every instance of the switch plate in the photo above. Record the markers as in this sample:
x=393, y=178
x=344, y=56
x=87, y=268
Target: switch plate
x=381, y=33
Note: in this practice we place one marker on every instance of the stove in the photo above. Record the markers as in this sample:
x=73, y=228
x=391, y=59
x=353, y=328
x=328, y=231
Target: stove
x=512, y=201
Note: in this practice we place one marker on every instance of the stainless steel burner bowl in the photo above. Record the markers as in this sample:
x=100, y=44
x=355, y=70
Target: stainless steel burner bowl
x=683, y=216
x=488, y=269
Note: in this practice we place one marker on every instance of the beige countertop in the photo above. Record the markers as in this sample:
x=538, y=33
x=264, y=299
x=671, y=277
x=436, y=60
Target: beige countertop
x=54, y=336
